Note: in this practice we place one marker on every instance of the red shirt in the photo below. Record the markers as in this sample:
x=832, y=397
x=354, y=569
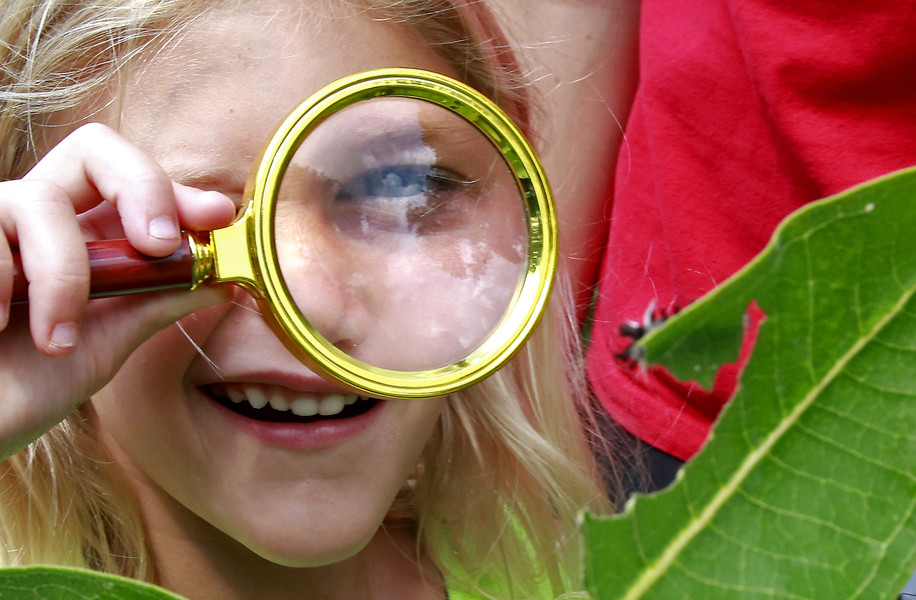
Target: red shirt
x=746, y=110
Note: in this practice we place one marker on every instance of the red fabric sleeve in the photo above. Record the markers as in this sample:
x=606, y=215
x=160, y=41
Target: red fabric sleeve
x=746, y=110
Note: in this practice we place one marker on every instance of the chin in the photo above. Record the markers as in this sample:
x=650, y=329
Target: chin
x=306, y=558
x=298, y=549
x=309, y=562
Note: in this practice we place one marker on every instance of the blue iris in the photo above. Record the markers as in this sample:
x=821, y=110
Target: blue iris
x=399, y=181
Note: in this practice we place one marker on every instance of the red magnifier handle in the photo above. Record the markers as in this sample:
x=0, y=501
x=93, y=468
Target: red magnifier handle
x=115, y=268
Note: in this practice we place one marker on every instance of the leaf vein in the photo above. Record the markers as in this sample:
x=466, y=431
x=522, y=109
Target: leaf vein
x=856, y=454
x=866, y=383
x=744, y=589
x=825, y=480
x=874, y=570
x=861, y=424
x=829, y=566
x=682, y=538
x=808, y=518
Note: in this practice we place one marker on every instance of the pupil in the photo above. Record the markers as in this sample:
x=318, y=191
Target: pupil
x=395, y=183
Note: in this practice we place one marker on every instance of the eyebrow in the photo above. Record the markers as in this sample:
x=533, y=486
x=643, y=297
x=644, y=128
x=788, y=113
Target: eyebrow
x=207, y=177
x=435, y=130
x=435, y=135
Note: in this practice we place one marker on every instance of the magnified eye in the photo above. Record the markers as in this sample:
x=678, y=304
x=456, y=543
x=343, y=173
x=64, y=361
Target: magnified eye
x=417, y=199
x=390, y=182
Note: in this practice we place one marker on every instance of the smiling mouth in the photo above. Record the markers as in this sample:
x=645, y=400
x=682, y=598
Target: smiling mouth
x=272, y=406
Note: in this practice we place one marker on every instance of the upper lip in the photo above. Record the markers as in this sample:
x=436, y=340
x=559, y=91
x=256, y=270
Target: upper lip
x=298, y=382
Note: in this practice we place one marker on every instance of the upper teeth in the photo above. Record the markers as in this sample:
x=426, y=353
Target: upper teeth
x=301, y=405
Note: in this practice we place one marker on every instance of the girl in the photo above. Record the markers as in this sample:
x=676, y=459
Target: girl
x=133, y=118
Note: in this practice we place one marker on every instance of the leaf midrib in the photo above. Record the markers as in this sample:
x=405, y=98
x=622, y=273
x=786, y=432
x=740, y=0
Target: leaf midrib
x=654, y=572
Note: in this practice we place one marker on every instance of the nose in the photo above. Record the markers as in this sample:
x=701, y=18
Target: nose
x=325, y=282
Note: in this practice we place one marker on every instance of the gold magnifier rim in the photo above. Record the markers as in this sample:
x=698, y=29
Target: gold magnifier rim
x=530, y=298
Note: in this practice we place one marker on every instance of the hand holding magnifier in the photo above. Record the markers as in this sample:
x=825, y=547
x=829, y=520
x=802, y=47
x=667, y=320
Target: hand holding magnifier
x=398, y=234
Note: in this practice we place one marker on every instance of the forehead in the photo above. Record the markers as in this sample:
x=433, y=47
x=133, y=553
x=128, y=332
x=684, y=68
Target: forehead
x=228, y=77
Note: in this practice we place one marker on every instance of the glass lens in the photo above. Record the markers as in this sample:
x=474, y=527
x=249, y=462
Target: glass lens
x=401, y=233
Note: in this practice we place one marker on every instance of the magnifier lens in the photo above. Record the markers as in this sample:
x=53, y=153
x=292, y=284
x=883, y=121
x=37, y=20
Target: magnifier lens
x=400, y=233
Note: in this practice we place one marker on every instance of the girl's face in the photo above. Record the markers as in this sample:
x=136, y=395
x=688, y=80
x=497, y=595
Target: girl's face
x=184, y=417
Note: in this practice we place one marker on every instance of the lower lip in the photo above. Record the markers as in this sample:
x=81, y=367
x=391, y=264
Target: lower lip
x=302, y=436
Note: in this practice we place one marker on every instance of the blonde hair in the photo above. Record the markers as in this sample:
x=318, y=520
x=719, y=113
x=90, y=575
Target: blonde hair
x=508, y=468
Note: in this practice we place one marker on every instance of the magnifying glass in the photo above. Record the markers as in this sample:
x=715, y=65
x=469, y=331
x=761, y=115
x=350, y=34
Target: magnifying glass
x=398, y=234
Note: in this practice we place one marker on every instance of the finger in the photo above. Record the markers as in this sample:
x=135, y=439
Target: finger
x=201, y=210
x=94, y=163
x=54, y=261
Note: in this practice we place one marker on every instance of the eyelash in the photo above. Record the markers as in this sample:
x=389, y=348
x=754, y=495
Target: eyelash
x=411, y=180
x=403, y=199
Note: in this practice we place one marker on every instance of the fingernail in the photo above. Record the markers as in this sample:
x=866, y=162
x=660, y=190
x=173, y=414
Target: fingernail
x=163, y=228
x=63, y=335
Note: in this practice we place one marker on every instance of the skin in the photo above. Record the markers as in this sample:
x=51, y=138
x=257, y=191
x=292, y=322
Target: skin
x=581, y=57
x=231, y=512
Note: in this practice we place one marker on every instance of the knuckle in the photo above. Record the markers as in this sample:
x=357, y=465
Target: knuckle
x=80, y=142
x=21, y=200
x=89, y=133
x=71, y=279
x=152, y=182
x=50, y=194
x=69, y=286
x=34, y=191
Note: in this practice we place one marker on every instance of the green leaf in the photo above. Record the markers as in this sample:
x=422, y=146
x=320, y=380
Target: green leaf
x=61, y=583
x=807, y=487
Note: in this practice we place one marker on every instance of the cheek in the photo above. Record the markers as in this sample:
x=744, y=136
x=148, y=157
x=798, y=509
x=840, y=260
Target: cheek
x=143, y=412
x=153, y=377
x=424, y=417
